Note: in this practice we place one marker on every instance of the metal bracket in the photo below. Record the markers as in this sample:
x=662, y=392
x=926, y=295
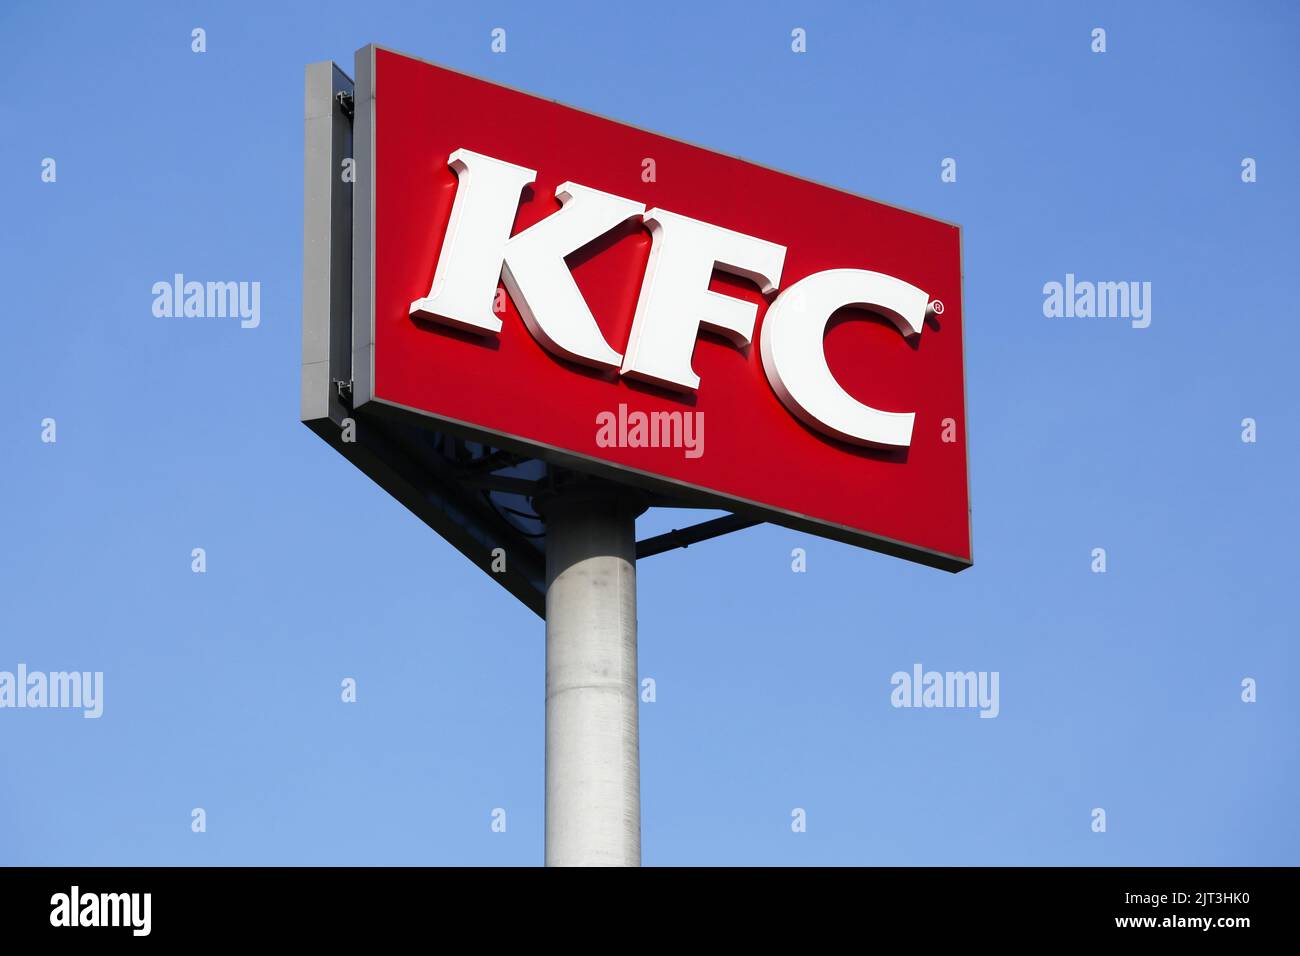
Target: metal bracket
x=491, y=482
x=685, y=537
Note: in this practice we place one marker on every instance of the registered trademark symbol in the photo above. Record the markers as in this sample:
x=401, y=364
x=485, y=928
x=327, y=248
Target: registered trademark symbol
x=936, y=307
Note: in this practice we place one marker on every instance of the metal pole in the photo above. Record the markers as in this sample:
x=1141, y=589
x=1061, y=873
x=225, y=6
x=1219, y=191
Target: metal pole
x=593, y=774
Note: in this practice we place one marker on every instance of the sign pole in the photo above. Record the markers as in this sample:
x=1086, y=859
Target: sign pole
x=593, y=775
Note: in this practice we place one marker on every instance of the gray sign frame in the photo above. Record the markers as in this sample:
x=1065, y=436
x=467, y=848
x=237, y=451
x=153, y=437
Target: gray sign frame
x=459, y=488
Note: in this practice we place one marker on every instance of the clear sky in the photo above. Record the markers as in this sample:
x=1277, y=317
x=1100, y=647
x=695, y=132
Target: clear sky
x=1120, y=691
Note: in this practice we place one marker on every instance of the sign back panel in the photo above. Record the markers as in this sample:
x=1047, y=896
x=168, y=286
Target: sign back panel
x=747, y=453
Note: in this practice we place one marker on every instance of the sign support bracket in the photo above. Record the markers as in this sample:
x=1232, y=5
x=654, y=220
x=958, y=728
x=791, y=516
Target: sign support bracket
x=685, y=537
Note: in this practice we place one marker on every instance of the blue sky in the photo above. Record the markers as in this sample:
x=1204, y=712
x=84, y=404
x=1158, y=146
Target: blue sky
x=1119, y=690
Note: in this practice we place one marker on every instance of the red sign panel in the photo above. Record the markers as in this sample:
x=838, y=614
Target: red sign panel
x=809, y=373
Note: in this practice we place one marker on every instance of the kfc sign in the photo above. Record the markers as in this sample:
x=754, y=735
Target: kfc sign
x=528, y=271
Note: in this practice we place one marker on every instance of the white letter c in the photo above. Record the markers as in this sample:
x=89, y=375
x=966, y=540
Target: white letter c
x=791, y=343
